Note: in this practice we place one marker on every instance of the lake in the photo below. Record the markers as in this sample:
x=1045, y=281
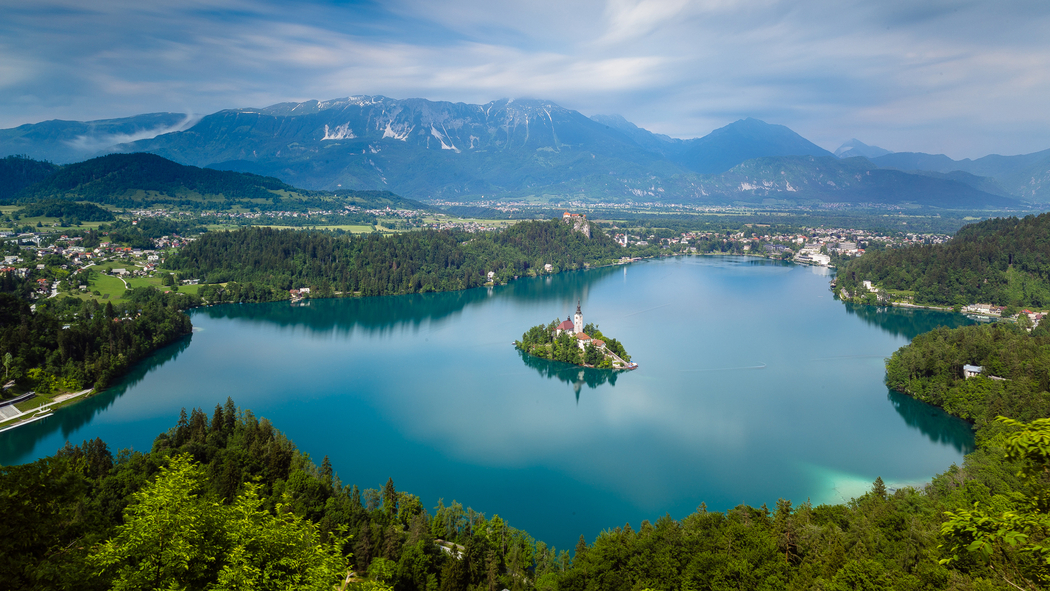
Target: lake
x=753, y=384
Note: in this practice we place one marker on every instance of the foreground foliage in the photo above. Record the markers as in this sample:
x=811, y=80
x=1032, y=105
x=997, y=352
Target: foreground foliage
x=230, y=502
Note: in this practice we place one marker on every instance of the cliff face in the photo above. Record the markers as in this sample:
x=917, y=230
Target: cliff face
x=579, y=224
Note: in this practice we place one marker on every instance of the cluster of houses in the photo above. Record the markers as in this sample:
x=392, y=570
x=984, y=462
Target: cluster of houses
x=471, y=226
x=140, y=262
x=993, y=310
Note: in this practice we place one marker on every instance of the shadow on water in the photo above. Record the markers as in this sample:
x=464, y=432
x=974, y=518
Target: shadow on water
x=20, y=442
x=574, y=375
x=933, y=422
x=906, y=322
x=389, y=312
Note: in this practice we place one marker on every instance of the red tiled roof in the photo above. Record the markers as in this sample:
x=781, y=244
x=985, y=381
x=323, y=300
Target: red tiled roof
x=567, y=325
x=583, y=336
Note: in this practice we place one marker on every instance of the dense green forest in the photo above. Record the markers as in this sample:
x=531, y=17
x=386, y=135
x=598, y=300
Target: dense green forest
x=230, y=502
x=931, y=369
x=141, y=180
x=1002, y=261
x=62, y=208
x=19, y=172
x=369, y=265
x=70, y=344
x=1008, y=525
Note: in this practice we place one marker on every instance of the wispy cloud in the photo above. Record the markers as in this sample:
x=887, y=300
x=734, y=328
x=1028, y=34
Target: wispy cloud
x=92, y=143
x=965, y=78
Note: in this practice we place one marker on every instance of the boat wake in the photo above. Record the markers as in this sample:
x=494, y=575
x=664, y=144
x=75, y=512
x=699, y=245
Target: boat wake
x=762, y=366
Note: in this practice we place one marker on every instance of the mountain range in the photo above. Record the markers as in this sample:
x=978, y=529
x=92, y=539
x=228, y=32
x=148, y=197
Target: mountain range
x=439, y=151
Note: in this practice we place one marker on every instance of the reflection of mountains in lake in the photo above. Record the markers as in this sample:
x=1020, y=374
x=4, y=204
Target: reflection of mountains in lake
x=411, y=310
x=906, y=322
x=20, y=442
x=933, y=422
x=575, y=375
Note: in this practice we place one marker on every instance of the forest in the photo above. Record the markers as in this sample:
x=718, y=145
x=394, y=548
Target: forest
x=141, y=180
x=19, y=172
x=228, y=501
x=1015, y=381
x=73, y=344
x=373, y=264
x=62, y=208
x=1001, y=261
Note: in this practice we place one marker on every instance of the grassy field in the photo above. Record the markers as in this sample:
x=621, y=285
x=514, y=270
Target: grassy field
x=107, y=266
x=144, y=282
x=190, y=289
x=111, y=288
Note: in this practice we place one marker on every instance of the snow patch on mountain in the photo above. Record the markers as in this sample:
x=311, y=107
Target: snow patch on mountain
x=398, y=131
x=441, y=138
x=341, y=132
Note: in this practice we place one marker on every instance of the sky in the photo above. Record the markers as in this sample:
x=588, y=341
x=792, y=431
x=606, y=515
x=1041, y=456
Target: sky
x=963, y=78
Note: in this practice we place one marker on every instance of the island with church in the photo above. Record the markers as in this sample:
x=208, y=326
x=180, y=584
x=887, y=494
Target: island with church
x=571, y=341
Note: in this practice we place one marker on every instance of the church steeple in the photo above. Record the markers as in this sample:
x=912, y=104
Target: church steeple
x=577, y=320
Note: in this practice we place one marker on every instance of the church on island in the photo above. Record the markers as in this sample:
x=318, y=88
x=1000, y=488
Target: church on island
x=574, y=326
x=566, y=341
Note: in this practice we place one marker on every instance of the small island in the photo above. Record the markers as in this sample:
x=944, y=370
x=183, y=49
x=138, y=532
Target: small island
x=573, y=342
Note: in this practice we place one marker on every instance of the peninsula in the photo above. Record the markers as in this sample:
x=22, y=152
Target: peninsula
x=573, y=342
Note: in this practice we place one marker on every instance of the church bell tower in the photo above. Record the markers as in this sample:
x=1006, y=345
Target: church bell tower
x=577, y=320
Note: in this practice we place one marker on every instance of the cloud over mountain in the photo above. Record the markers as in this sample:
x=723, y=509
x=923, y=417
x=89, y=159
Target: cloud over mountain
x=962, y=79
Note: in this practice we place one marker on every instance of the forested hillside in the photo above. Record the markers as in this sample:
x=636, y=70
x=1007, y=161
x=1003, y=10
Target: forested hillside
x=231, y=503
x=70, y=344
x=1006, y=527
x=1002, y=261
x=67, y=210
x=19, y=172
x=412, y=262
x=931, y=369
x=135, y=180
x=230, y=499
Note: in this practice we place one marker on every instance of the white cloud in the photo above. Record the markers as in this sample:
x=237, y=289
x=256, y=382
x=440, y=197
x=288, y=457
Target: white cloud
x=90, y=144
x=961, y=78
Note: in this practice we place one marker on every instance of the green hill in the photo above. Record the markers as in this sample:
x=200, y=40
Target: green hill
x=1002, y=261
x=132, y=180
x=19, y=172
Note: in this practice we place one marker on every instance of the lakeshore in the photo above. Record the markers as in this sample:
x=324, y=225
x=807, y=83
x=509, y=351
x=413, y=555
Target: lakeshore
x=304, y=367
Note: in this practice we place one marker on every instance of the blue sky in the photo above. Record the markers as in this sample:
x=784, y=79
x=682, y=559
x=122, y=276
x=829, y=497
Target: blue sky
x=964, y=78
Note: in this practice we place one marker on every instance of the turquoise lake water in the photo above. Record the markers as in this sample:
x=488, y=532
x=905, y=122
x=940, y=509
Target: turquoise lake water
x=754, y=384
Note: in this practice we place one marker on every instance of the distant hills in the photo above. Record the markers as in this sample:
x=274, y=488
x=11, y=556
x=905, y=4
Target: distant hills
x=855, y=147
x=1025, y=176
x=64, y=142
x=723, y=148
x=139, y=179
x=428, y=150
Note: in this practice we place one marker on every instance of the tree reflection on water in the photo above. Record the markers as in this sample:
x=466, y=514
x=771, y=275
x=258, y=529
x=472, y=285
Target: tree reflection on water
x=574, y=375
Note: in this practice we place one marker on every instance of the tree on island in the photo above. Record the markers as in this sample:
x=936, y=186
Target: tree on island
x=551, y=342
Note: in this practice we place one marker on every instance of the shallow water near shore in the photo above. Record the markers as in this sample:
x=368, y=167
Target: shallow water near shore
x=753, y=384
